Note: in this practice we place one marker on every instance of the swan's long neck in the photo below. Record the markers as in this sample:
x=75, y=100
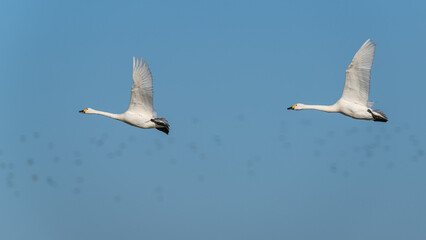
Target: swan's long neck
x=107, y=114
x=324, y=108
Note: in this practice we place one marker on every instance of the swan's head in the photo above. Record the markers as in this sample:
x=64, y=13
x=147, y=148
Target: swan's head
x=87, y=110
x=297, y=106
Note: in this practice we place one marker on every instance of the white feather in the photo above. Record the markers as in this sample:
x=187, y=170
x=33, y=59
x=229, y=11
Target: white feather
x=357, y=84
x=141, y=99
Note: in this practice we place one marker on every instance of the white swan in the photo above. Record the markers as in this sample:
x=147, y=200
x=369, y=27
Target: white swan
x=354, y=101
x=140, y=113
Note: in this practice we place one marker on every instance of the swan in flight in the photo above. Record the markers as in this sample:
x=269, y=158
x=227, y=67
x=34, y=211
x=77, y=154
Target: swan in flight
x=140, y=113
x=354, y=101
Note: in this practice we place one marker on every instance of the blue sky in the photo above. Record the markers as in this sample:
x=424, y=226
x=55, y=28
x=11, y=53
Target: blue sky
x=237, y=164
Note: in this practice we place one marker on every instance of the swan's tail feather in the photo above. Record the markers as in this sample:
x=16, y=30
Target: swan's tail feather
x=161, y=125
x=379, y=116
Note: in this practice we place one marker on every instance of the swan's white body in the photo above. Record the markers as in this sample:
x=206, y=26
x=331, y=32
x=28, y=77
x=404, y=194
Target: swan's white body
x=354, y=101
x=140, y=112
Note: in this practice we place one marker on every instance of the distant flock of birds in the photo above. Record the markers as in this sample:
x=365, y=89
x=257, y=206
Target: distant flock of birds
x=377, y=144
x=353, y=103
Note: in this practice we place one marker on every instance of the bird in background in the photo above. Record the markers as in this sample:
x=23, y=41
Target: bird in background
x=354, y=101
x=140, y=112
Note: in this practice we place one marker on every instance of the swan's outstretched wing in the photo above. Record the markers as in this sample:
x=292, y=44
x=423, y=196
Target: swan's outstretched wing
x=141, y=98
x=357, y=84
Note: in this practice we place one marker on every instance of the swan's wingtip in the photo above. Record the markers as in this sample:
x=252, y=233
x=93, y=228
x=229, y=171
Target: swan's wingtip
x=370, y=42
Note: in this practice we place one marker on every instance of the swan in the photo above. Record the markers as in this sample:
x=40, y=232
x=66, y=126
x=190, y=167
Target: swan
x=354, y=101
x=140, y=112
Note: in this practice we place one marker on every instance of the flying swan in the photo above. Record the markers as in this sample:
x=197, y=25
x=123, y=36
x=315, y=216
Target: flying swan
x=140, y=113
x=354, y=101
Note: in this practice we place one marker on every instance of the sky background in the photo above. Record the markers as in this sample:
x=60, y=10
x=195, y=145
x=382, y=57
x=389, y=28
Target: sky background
x=237, y=164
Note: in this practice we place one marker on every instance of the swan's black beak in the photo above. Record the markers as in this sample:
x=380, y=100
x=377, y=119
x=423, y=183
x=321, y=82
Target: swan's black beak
x=83, y=111
x=291, y=108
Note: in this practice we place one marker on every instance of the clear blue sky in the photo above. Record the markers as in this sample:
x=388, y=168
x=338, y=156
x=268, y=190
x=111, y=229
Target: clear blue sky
x=237, y=164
